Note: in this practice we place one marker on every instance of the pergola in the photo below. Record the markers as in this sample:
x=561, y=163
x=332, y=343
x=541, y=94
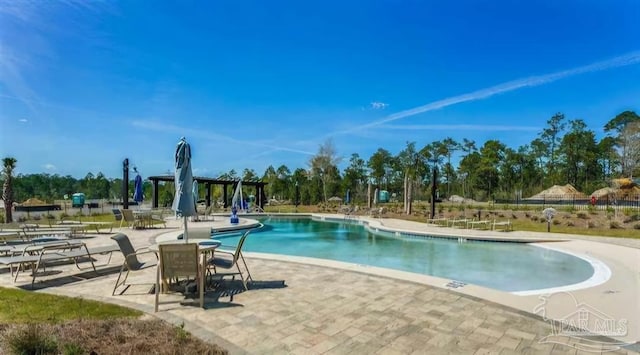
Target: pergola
x=260, y=195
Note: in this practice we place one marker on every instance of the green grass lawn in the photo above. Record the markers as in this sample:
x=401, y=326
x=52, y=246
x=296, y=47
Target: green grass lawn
x=529, y=225
x=19, y=306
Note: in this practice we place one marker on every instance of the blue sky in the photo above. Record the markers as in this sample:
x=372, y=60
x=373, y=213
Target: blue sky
x=85, y=84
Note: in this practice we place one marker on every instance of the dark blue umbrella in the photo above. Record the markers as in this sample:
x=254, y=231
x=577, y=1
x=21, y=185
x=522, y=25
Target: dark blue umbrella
x=137, y=190
x=183, y=202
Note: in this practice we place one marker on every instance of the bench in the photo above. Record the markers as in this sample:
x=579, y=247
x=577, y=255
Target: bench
x=506, y=224
x=472, y=224
x=437, y=221
x=461, y=222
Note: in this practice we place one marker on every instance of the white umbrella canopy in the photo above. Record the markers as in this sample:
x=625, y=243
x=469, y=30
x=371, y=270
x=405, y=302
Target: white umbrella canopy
x=237, y=199
x=183, y=202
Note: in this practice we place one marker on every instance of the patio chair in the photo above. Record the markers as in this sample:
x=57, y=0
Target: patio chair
x=230, y=260
x=157, y=218
x=207, y=214
x=131, y=262
x=178, y=261
x=130, y=219
x=117, y=214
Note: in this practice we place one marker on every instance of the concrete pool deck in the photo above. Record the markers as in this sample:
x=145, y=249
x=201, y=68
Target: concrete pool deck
x=334, y=307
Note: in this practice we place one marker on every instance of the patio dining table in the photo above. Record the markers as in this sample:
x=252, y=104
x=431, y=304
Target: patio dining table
x=143, y=218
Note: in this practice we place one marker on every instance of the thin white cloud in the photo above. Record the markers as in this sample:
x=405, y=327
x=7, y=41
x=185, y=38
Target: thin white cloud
x=23, y=120
x=184, y=131
x=49, y=166
x=378, y=105
x=620, y=61
x=460, y=127
x=37, y=22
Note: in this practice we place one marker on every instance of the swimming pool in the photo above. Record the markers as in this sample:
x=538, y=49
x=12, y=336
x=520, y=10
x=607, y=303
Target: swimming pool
x=508, y=267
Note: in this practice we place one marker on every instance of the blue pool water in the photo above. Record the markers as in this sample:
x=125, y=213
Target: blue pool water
x=503, y=266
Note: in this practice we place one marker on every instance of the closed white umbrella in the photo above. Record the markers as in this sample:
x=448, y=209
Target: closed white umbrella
x=236, y=200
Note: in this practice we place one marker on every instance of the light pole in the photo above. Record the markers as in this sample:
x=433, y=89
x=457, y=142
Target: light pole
x=434, y=176
x=464, y=181
x=297, y=196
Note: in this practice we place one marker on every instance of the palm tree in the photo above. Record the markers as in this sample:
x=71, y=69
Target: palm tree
x=9, y=164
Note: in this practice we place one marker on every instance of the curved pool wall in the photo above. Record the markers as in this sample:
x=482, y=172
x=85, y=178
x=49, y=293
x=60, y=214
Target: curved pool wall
x=516, y=267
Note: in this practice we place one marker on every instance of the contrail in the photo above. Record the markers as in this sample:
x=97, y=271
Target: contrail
x=621, y=61
x=461, y=127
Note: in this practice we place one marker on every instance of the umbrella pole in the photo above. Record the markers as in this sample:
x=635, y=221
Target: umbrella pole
x=185, y=234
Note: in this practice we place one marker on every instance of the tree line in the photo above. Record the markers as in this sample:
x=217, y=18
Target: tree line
x=564, y=151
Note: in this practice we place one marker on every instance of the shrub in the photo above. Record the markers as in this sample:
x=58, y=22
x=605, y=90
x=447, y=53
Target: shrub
x=569, y=209
x=570, y=224
x=592, y=224
x=632, y=218
x=513, y=216
x=30, y=339
x=526, y=214
x=37, y=217
x=630, y=211
x=73, y=349
x=49, y=216
x=615, y=225
x=181, y=334
x=63, y=215
x=556, y=222
x=22, y=219
x=534, y=218
x=637, y=226
x=582, y=215
x=501, y=215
